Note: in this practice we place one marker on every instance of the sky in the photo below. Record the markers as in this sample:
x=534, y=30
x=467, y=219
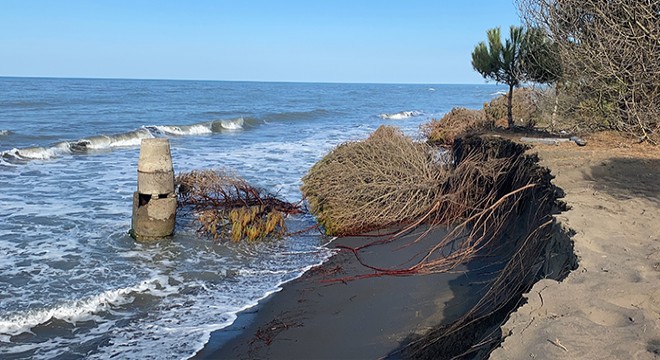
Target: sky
x=355, y=41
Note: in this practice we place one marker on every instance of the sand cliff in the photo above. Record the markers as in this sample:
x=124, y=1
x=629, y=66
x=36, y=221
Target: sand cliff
x=609, y=307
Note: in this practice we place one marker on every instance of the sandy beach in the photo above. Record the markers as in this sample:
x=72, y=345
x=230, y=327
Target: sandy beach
x=321, y=316
x=608, y=308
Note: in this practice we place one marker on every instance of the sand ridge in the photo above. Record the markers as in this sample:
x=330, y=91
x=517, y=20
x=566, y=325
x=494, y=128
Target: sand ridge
x=608, y=308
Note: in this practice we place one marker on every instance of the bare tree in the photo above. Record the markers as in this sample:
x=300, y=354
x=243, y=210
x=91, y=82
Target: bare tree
x=609, y=51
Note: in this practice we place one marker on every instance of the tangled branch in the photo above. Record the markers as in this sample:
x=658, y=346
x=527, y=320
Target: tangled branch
x=387, y=179
x=609, y=51
x=226, y=206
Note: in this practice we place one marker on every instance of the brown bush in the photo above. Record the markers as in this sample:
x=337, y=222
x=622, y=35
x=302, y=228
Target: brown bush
x=609, y=54
x=525, y=108
x=456, y=123
x=388, y=180
x=226, y=206
x=363, y=185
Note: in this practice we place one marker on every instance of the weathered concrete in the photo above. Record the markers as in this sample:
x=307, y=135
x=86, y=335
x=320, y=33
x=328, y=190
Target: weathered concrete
x=153, y=219
x=154, y=204
x=155, y=169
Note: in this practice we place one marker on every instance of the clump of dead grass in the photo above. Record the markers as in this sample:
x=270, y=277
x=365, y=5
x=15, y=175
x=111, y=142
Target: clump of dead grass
x=460, y=122
x=384, y=180
x=456, y=123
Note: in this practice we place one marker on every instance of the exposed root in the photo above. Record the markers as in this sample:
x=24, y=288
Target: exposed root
x=488, y=185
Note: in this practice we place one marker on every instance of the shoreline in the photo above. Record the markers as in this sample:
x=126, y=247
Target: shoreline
x=344, y=309
x=314, y=313
x=312, y=318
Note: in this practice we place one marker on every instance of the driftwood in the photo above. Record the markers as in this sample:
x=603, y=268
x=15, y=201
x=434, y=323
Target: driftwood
x=554, y=141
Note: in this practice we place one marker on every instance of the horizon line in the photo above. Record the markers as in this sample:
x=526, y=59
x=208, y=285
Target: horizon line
x=245, y=81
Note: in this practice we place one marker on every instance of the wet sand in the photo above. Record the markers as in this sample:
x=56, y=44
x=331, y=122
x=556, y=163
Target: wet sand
x=319, y=317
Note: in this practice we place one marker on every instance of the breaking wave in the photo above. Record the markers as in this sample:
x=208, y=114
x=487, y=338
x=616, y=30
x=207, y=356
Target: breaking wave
x=83, y=310
x=400, y=115
x=108, y=142
x=203, y=128
x=198, y=129
x=38, y=152
x=5, y=132
x=102, y=142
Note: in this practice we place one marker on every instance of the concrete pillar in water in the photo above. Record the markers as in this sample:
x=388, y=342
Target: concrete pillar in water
x=154, y=204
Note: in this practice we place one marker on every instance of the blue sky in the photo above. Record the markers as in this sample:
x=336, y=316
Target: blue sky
x=411, y=41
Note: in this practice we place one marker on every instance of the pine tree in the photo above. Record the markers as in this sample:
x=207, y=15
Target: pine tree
x=501, y=62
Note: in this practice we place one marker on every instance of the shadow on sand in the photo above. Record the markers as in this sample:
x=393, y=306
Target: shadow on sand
x=625, y=178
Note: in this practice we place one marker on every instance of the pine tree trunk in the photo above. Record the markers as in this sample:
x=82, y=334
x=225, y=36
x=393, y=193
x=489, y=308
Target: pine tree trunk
x=509, y=108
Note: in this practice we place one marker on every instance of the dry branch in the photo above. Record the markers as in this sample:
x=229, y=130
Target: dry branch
x=609, y=51
x=226, y=206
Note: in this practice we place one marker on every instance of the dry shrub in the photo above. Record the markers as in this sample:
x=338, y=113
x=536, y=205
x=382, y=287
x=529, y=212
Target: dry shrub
x=384, y=180
x=528, y=105
x=609, y=54
x=456, y=123
x=226, y=206
x=388, y=179
x=525, y=107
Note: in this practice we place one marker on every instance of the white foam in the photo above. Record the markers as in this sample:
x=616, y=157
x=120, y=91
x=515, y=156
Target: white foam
x=4, y=132
x=233, y=124
x=400, y=115
x=40, y=153
x=83, y=310
x=128, y=139
x=182, y=130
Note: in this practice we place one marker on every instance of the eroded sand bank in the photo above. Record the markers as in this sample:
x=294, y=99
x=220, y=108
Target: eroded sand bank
x=608, y=308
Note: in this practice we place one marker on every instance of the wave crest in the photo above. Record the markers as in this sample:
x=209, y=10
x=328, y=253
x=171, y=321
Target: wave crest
x=83, y=310
x=400, y=115
x=100, y=142
x=38, y=152
x=181, y=130
x=127, y=139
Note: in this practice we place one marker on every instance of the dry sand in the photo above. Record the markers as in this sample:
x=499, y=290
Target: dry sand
x=609, y=308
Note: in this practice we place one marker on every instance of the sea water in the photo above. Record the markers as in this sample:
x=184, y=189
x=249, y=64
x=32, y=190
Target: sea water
x=73, y=284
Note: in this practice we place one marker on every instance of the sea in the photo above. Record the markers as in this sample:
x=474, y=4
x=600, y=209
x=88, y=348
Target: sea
x=74, y=284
